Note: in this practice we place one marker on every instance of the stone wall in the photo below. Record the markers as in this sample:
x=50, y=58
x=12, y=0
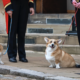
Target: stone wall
x=2, y=18
x=69, y=5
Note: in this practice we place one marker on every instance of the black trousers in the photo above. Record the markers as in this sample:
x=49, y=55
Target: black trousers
x=78, y=24
x=19, y=23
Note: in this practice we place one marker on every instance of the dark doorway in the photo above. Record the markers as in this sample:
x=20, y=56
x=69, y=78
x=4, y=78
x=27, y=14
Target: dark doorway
x=54, y=6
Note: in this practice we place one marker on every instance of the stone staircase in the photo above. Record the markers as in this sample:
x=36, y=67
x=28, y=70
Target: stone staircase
x=35, y=42
x=37, y=29
x=49, y=23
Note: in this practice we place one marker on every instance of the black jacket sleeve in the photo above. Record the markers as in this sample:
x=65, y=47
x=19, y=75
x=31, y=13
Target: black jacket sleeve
x=31, y=3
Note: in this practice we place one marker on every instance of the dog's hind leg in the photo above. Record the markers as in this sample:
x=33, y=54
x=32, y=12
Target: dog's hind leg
x=52, y=64
x=57, y=63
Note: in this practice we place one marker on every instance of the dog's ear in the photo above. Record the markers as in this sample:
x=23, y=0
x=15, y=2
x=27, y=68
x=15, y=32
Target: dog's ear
x=46, y=39
x=59, y=41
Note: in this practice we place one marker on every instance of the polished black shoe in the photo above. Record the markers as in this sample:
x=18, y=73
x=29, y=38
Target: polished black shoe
x=13, y=60
x=23, y=60
x=77, y=66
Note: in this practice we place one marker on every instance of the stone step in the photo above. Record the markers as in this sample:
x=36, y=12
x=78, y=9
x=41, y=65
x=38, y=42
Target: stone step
x=71, y=49
x=56, y=16
x=39, y=38
x=12, y=77
x=48, y=28
x=42, y=18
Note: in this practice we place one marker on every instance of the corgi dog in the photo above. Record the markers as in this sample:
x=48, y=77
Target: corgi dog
x=1, y=53
x=57, y=57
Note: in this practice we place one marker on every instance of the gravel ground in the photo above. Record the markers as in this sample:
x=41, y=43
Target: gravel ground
x=11, y=77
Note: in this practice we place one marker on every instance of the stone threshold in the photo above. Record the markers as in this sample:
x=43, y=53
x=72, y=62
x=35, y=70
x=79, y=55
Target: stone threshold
x=30, y=73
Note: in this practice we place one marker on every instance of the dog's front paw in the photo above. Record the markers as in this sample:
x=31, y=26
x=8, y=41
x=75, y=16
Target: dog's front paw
x=1, y=62
x=57, y=66
x=51, y=66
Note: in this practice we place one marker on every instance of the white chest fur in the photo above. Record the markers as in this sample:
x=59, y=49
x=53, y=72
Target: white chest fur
x=48, y=54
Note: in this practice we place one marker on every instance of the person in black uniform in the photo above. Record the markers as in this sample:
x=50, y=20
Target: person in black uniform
x=76, y=4
x=18, y=10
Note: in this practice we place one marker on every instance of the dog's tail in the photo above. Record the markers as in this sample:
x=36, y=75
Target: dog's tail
x=77, y=65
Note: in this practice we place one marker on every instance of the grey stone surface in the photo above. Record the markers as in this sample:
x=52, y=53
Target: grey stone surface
x=11, y=77
x=30, y=74
x=59, y=78
x=6, y=69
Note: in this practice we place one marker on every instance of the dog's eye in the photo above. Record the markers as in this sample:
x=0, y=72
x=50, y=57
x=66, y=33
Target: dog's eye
x=50, y=41
x=55, y=42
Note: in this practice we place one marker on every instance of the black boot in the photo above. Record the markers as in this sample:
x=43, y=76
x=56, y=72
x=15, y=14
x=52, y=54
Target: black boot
x=23, y=60
x=13, y=59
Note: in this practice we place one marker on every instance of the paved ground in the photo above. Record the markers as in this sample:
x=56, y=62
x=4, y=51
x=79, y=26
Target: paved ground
x=10, y=77
x=37, y=62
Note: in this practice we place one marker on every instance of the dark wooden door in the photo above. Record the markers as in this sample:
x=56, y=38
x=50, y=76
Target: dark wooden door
x=54, y=6
x=39, y=6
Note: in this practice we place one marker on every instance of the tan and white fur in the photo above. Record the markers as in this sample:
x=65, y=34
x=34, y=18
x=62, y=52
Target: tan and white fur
x=1, y=53
x=57, y=57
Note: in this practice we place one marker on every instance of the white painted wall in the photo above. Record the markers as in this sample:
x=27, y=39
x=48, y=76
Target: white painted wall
x=69, y=5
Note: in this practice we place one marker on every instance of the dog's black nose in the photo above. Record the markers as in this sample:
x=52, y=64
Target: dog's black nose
x=52, y=44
